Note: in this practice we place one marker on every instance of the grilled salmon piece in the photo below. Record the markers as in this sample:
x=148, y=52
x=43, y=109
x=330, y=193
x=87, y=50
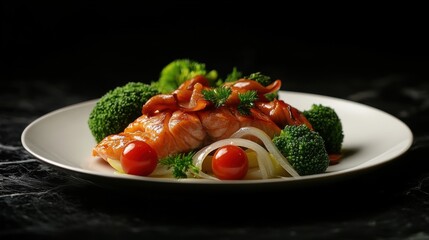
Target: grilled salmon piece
x=222, y=122
x=166, y=132
x=185, y=121
x=178, y=131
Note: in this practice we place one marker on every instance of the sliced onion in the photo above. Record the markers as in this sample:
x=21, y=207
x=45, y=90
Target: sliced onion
x=115, y=164
x=253, y=173
x=264, y=162
x=161, y=171
x=269, y=145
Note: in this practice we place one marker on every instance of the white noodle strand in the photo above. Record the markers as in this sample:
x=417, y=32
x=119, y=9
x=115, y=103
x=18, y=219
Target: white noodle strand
x=263, y=158
x=278, y=156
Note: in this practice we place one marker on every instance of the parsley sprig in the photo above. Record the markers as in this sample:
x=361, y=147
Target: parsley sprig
x=218, y=96
x=247, y=101
x=260, y=78
x=180, y=163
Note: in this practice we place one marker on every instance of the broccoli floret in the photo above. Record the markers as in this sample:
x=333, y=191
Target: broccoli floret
x=326, y=122
x=117, y=108
x=303, y=148
x=178, y=71
x=234, y=75
x=264, y=80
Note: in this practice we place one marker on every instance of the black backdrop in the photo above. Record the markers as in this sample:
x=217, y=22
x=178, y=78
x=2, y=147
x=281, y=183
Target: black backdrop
x=109, y=44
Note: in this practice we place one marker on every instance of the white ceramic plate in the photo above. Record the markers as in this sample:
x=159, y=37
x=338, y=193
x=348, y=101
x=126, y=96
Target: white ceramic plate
x=372, y=137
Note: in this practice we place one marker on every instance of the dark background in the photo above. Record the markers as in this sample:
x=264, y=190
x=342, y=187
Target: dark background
x=105, y=45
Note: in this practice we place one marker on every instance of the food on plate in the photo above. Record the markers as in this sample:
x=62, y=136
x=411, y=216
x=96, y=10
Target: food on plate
x=303, y=148
x=200, y=126
x=326, y=122
x=138, y=158
x=230, y=162
x=117, y=108
x=178, y=71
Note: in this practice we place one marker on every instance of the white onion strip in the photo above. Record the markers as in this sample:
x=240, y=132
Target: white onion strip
x=161, y=171
x=264, y=162
x=278, y=156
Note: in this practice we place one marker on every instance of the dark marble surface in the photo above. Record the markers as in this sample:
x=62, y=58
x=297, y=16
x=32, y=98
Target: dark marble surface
x=54, y=69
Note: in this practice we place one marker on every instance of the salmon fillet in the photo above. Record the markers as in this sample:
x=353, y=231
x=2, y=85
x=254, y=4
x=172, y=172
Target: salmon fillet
x=185, y=121
x=176, y=132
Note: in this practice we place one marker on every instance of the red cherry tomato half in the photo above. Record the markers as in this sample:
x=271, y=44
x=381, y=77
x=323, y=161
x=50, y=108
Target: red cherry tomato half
x=139, y=158
x=230, y=163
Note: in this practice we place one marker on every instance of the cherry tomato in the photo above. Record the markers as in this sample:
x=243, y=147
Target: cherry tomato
x=230, y=163
x=139, y=158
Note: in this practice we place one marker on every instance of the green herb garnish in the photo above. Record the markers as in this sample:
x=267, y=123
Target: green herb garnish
x=260, y=78
x=247, y=101
x=217, y=96
x=181, y=164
